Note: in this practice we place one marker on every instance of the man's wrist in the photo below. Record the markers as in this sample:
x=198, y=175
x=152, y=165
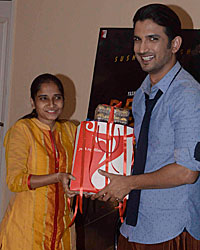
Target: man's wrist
x=132, y=182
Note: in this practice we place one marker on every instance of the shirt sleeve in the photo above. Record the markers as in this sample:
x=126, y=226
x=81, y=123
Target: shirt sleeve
x=17, y=150
x=71, y=131
x=186, y=123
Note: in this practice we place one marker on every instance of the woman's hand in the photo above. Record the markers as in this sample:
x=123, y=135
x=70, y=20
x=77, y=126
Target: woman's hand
x=37, y=181
x=65, y=178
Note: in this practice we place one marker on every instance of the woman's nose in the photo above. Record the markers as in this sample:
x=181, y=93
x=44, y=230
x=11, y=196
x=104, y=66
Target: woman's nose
x=51, y=102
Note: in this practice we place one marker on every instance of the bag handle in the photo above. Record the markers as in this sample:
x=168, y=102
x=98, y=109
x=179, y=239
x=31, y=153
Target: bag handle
x=107, y=140
x=112, y=108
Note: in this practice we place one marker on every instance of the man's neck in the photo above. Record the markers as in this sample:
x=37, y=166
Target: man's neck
x=156, y=77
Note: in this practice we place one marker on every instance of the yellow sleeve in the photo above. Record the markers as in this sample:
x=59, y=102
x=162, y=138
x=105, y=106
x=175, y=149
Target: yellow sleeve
x=71, y=131
x=17, y=147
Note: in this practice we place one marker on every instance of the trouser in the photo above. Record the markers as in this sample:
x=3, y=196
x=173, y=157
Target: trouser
x=184, y=241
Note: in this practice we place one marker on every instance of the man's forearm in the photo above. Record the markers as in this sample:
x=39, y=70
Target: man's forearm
x=171, y=175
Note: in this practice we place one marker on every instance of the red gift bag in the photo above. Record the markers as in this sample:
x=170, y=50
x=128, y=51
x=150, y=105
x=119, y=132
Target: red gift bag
x=100, y=145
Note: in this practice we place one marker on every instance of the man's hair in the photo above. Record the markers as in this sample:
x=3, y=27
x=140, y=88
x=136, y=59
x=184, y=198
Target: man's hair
x=161, y=15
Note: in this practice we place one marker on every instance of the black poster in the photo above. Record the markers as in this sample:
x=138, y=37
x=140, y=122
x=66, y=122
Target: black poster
x=117, y=74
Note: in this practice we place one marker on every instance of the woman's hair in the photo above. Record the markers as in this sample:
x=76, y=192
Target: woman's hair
x=36, y=86
x=161, y=15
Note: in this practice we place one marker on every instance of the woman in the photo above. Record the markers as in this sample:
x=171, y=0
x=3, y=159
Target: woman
x=39, y=151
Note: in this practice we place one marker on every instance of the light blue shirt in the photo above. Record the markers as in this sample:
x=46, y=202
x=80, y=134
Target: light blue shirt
x=173, y=135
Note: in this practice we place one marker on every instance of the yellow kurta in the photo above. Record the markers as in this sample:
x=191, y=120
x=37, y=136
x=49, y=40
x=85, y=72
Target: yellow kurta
x=37, y=219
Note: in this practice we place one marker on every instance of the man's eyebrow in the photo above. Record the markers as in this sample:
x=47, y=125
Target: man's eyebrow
x=134, y=36
x=153, y=36
x=148, y=36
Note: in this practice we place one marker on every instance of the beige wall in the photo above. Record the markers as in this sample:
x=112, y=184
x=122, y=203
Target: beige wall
x=60, y=36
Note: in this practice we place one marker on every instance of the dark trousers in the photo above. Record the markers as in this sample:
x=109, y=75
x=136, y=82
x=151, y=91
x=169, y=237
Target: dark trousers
x=184, y=241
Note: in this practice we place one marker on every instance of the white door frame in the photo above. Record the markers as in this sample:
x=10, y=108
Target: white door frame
x=6, y=26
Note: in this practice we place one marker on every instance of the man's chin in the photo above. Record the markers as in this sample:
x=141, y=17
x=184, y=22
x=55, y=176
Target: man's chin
x=146, y=68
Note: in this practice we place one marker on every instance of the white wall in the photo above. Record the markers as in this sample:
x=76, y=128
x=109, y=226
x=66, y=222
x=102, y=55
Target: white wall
x=61, y=37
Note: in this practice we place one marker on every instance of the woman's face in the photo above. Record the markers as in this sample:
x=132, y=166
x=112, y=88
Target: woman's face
x=48, y=103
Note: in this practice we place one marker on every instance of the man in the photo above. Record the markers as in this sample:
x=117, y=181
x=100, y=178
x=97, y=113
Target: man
x=169, y=207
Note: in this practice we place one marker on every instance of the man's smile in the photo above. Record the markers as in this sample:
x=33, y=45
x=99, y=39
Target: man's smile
x=147, y=58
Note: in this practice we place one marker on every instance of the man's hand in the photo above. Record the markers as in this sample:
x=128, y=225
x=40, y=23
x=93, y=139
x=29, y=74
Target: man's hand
x=169, y=176
x=117, y=189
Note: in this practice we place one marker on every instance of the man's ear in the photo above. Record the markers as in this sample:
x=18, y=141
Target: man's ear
x=32, y=103
x=176, y=44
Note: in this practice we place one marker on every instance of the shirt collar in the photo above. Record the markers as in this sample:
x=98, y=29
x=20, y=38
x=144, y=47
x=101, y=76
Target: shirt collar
x=163, y=84
x=43, y=125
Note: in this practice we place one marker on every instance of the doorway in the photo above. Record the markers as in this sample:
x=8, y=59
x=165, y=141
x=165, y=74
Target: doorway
x=5, y=62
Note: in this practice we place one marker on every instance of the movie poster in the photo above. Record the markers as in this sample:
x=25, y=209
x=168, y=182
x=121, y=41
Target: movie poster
x=117, y=74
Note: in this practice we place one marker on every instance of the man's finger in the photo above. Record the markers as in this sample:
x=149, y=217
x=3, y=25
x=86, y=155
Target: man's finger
x=104, y=173
x=99, y=194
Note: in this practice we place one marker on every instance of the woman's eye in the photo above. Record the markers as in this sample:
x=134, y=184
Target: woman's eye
x=43, y=98
x=58, y=97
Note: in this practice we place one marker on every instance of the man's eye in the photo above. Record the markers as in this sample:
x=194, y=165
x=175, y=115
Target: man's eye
x=153, y=38
x=135, y=39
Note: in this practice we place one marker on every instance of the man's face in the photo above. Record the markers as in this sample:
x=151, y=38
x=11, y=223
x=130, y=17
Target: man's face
x=152, y=49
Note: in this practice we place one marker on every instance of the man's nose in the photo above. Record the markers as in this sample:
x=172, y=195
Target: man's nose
x=143, y=47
